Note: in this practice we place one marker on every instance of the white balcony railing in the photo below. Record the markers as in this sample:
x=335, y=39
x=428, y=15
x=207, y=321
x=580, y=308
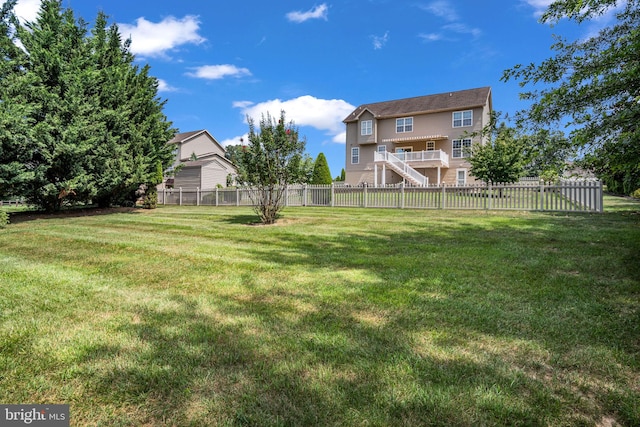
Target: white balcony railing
x=424, y=156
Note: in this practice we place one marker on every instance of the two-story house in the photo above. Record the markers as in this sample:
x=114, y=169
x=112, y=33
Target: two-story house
x=202, y=159
x=421, y=140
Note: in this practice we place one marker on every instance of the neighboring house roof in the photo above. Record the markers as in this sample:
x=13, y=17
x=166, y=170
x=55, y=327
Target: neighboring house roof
x=468, y=98
x=205, y=161
x=185, y=136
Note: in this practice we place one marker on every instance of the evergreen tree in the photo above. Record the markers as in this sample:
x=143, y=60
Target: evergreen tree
x=15, y=149
x=321, y=173
x=86, y=119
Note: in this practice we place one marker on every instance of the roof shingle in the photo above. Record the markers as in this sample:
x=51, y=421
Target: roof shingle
x=468, y=98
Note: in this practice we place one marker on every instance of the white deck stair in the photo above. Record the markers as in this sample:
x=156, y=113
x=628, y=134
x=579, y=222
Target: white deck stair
x=402, y=168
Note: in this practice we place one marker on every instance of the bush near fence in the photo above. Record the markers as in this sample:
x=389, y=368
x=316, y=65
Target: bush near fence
x=564, y=196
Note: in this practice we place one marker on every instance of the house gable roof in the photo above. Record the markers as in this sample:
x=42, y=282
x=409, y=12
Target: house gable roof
x=447, y=101
x=185, y=136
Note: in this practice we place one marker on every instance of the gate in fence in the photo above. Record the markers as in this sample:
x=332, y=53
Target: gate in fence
x=565, y=196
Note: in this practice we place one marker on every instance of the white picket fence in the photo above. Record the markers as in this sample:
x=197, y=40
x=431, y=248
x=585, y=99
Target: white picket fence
x=566, y=196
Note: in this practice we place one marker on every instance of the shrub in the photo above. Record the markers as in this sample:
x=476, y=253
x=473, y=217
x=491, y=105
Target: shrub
x=636, y=194
x=4, y=219
x=150, y=199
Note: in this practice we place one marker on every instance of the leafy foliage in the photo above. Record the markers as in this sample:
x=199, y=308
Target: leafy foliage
x=546, y=152
x=86, y=121
x=321, y=173
x=4, y=219
x=594, y=84
x=500, y=159
x=270, y=162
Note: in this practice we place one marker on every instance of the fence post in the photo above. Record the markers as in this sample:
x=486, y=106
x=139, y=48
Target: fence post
x=402, y=195
x=444, y=195
x=541, y=195
x=489, y=196
x=600, y=197
x=180, y=199
x=364, y=199
x=164, y=196
x=197, y=196
x=237, y=196
x=304, y=194
x=332, y=195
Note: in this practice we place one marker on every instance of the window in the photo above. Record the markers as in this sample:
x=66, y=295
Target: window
x=461, y=176
x=460, y=146
x=404, y=125
x=366, y=127
x=355, y=155
x=382, y=148
x=431, y=145
x=462, y=118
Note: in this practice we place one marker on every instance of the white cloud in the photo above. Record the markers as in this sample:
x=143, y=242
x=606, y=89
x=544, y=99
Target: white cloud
x=163, y=86
x=446, y=10
x=431, y=37
x=380, y=41
x=539, y=6
x=460, y=28
x=27, y=10
x=216, y=72
x=236, y=140
x=318, y=12
x=442, y=9
x=322, y=114
x=156, y=39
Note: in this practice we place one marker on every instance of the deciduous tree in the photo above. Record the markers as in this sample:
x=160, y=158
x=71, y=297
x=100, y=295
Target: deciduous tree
x=269, y=162
x=499, y=159
x=593, y=84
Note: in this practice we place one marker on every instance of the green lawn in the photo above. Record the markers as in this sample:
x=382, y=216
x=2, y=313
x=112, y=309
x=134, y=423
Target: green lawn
x=193, y=316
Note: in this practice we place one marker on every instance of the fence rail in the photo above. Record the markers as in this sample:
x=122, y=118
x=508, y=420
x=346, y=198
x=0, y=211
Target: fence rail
x=566, y=196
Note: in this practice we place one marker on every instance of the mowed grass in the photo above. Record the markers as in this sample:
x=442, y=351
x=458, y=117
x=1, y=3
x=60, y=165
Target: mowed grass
x=195, y=316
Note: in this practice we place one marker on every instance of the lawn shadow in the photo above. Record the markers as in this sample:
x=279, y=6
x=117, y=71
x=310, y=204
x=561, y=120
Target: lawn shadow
x=25, y=216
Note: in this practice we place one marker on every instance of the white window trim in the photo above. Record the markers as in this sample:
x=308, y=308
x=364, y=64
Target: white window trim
x=404, y=125
x=432, y=144
x=356, y=151
x=381, y=148
x=364, y=128
x=462, y=125
x=462, y=148
x=465, y=176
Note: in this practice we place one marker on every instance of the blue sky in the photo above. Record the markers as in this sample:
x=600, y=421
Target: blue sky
x=218, y=62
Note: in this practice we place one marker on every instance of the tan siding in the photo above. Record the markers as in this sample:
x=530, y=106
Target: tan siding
x=213, y=174
x=202, y=145
x=188, y=177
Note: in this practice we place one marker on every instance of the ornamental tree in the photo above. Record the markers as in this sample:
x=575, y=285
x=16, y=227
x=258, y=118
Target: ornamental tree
x=270, y=162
